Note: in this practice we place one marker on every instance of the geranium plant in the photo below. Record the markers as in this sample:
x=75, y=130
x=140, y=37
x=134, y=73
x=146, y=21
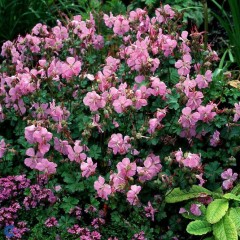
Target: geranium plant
x=101, y=119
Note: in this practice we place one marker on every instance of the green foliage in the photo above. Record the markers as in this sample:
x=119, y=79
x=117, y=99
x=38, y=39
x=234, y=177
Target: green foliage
x=231, y=24
x=216, y=210
x=178, y=195
x=68, y=203
x=221, y=216
x=192, y=10
x=234, y=214
x=212, y=171
x=198, y=227
x=225, y=229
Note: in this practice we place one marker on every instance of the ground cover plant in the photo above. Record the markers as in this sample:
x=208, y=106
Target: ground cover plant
x=117, y=127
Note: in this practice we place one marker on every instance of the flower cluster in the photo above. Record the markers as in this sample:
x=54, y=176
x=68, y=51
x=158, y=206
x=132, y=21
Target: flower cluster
x=110, y=123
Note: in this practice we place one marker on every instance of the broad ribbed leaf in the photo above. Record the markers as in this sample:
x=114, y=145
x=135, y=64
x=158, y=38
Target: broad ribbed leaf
x=178, y=195
x=236, y=189
x=231, y=196
x=216, y=210
x=235, y=216
x=198, y=227
x=225, y=229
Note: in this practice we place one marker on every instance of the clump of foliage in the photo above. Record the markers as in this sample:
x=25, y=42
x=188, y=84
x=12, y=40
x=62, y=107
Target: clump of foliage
x=101, y=133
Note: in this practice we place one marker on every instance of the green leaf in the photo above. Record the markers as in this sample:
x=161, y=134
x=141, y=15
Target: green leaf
x=213, y=171
x=216, y=210
x=68, y=203
x=198, y=227
x=234, y=214
x=236, y=189
x=178, y=195
x=225, y=229
x=231, y=196
x=95, y=152
x=150, y=2
x=172, y=101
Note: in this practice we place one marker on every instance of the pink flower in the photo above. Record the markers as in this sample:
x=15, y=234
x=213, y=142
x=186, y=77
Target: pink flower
x=126, y=169
x=109, y=20
x=188, y=119
x=46, y=166
x=200, y=178
x=58, y=113
x=2, y=148
x=151, y=168
x=75, y=153
x=118, y=182
x=111, y=66
x=132, y=195
x=214, y=141
x=168, y=46
x=51, y=222
x=41, y=110
x=188, y=85
x=206, y=114
x=195, y=210
x=182, y=210
x=121, y=25
x=42, y=136
x=179, y=155
x=202, y=81
x=164, y=13
x=140, y=98
x=161, y=113
x=55, y=69
x=88, y=168
x=184, y=65
x=29, y=133
x=121, y=104
x=61, y=146
x=188, y=132
x=34, y=158
x=60, y=32
x=40, y=29
x=192, y=160
x=153, y=124
x=103, y=190
x=94, y=101
x=119, y=144
x=159, y=88
x=150, y=211
x=237, y=112
x=229, y=178
x=71, y=68
x=57, y=188
x=194, y=99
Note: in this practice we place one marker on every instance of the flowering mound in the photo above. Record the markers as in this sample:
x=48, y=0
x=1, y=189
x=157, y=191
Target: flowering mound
x=97, y=130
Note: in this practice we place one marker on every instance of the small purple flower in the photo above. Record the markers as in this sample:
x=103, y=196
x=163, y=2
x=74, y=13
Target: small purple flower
x=215, y=139
x=195, y=210
x=229, y=177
